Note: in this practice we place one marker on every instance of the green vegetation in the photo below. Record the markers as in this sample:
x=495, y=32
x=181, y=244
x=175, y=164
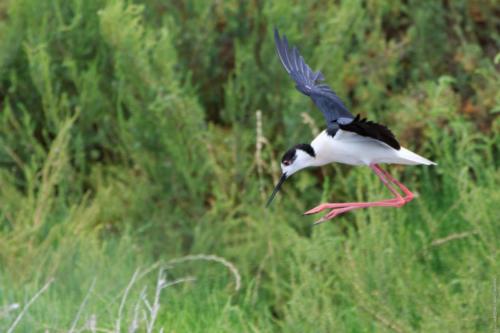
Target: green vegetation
x=134, y=134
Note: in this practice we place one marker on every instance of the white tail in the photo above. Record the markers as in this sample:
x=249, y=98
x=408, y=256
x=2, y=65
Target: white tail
x=410, y=157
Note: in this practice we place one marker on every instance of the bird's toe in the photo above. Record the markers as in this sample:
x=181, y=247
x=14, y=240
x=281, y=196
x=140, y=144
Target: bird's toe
x=312, y=211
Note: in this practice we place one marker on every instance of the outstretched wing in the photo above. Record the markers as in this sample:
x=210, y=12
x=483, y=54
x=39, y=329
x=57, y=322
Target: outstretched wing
x=306, y=81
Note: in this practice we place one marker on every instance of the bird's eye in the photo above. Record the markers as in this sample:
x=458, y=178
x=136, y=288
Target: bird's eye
x=287, y=162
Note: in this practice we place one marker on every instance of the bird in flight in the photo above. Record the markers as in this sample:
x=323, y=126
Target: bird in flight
x=346, y=139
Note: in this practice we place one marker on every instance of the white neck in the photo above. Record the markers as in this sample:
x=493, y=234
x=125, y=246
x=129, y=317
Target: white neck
x=322, y=148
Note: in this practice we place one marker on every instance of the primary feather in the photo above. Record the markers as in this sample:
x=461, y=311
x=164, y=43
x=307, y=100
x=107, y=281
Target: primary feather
x=307, y=82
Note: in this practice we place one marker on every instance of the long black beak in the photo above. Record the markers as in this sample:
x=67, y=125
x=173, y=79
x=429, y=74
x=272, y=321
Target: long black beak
x=276, y=189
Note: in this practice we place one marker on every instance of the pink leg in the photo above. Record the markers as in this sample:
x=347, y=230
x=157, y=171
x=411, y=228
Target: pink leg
x=409, y=195
x=381, y=174
x=339, y=208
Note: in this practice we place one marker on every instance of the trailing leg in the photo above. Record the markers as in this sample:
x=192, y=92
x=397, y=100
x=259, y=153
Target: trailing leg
x=387, y=180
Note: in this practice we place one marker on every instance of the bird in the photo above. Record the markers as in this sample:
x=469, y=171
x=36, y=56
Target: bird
x=347, y=139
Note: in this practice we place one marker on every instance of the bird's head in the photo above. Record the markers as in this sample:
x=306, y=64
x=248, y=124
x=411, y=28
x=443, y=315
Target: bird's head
x=296, y=158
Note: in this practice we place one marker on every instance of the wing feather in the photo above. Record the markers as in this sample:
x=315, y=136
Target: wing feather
x=372, y=130
x=307, y=82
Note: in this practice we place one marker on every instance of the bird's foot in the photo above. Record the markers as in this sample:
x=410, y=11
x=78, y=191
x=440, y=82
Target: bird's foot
x=333, y=213
x=324, y=206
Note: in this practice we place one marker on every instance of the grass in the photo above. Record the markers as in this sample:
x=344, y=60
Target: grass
x=139, y=142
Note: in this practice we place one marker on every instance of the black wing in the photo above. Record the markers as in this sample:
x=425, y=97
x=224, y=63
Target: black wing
x=334, y=111
x=373, y=130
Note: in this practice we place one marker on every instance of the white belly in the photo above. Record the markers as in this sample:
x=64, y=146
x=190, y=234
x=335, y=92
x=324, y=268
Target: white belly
x=351, y=148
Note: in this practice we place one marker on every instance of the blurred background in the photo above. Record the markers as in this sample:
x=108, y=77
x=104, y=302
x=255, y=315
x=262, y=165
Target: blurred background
x=139, y=141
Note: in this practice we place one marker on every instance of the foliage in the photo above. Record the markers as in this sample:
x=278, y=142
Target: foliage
x=136, y=132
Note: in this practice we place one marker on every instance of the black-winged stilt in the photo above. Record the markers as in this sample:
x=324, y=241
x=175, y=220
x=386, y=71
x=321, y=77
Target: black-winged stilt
x=346, y=139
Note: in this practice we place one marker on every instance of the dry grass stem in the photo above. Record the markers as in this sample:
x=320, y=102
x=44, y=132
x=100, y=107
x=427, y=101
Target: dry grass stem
x=124, y=298
x=30, y=302
x=92, y=323
x=134, y=325
x=210, y=257
x=261, y=141
x=154, y=308
x=258, y=151
x=306, y=118
x=80, y=309
x=452, y=237
x=384, y=321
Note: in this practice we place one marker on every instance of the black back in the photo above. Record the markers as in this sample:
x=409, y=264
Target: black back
x=373, y=130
